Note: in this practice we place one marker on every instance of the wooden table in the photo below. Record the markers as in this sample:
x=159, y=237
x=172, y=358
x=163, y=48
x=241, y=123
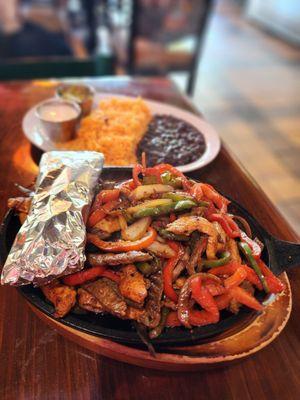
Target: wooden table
x=37, y=363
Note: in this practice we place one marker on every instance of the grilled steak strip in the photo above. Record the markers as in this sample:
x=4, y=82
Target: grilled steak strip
x=182, y=264
x=151, y=318
x=107, y=293
x=195, y=256
x=88, y=302
x=119, y=258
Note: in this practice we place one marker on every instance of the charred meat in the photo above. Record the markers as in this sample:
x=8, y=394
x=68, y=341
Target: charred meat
x=118, y=258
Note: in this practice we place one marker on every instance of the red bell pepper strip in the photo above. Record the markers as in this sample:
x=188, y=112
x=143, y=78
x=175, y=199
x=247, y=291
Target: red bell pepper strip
x=78, y=278
x=211, y=209
x=232, y=267
x=275, y=285
x=144, y=161
x=227, y=269
x=161, y=168
x=242, y=296
x=202, y=296
x=122, y=245
x=105, y=196
x=215, y=289
x=236, y=278
x=152, y=171
x=168, y=271
x=109, y=195
x=256, y=249
x=172, y=217
x=137, y=169
x=203, y=317
x=210, y=313
x=183, y=306
x=100, y=213
x=111, y=275
x=223, y=300
x=197, y=191
x=172, y=319
x=227, y=223
x=210, y=193
x=252, y=277
x=127, y=186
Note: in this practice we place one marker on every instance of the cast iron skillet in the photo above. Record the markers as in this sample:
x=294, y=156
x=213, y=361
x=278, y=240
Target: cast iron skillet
x=279, y=255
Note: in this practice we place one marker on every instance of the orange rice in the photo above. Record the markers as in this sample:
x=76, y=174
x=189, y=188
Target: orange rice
x=114, y=129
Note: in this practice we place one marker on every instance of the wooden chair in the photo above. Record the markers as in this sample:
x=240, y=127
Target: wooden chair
x=153, y=51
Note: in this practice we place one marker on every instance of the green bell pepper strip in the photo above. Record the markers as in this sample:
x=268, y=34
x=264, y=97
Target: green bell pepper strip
x=164, y=209
x=155, y=332
x=181, y=197
x=246, y=250
x=146, y=212
x=154, y=211
x=172, y=236
x=177, y=196
x=145, y=268
x=168, y=179
x=225, y=258
x=184, y=205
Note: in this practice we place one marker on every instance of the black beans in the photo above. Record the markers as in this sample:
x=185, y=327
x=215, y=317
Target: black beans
x=171, y=140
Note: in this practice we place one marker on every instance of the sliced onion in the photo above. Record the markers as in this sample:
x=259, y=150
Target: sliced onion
x=245, y=224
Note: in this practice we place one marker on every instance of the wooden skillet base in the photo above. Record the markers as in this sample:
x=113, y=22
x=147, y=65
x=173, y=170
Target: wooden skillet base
x=232, y=345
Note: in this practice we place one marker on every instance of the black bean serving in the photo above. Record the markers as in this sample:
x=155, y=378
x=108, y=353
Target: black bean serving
x=171, y=140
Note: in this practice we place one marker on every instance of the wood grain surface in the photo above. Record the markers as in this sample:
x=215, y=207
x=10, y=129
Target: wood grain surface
x=37, y=363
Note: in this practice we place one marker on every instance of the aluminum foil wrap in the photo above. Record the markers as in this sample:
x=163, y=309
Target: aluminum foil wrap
x=51, y=241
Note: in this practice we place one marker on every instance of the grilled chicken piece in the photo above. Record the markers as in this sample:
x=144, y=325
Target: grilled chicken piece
x=188, y=224
x=107, y=293
x=119, y=258
x=20, y=204
x=132, y=284
x=61, y=296
x=88, y=302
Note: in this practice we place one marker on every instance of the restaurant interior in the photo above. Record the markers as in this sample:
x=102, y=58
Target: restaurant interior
x=238, y=61
x=161, y=138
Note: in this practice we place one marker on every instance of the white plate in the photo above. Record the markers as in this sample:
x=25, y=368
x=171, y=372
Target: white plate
x=40, y=139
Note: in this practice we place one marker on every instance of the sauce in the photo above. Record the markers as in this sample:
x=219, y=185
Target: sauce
x=171, y=140
x=76, y=93
x=57, y=112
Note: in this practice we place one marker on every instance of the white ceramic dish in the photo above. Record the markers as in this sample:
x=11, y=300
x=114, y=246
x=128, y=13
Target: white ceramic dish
x=33, y=132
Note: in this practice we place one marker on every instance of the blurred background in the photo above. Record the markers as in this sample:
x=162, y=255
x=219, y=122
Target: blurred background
x=237, y=59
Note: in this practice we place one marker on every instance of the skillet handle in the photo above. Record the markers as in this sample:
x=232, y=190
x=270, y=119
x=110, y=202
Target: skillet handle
x=283, y=255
